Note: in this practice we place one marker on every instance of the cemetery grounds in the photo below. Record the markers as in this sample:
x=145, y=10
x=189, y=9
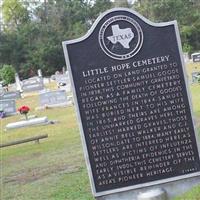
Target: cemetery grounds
x=55, y=168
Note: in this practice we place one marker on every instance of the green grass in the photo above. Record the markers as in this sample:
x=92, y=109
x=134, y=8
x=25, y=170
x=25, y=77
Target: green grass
x=55, y=168
x=192, y=67
x=193, y=194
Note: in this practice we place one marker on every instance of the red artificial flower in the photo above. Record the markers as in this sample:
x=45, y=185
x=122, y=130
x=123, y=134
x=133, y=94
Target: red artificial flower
x=24, y=109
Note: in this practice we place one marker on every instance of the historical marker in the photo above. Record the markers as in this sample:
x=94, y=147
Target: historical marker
x=132, y=103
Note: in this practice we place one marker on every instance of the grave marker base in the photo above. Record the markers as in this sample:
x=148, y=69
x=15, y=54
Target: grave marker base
x=27, y=123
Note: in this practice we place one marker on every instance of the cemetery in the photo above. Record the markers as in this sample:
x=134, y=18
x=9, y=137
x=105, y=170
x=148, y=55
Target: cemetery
x=115, y=117
x=35, y=169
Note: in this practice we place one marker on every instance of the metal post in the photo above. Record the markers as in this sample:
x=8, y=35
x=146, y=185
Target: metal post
x=155, y=194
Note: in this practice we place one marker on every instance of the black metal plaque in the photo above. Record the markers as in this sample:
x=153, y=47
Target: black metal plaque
x=132, y=103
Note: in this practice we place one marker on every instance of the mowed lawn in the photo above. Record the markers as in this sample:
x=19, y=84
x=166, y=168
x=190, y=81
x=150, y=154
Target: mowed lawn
x=55, y=168
x=51, y=170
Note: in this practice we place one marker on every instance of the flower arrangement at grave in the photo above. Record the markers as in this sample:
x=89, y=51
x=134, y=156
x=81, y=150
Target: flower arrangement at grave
x=24, y=111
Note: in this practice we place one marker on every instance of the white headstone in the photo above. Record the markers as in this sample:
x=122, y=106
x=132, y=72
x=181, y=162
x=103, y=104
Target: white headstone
x=63, y=82
x=33, y=84
x=1, y=89
x=186, y=57
x=39, y=72
x=195, y=77
x=11, y=95
x=18, y=82
x=196, y=57
x=63, y=70
x=54, y=98
x=8, y=106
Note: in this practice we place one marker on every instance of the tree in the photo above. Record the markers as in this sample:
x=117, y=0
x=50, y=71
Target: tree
x=34, y=36
x=57, y=21
x=13, y=49
x=7, y=74
x=14, y=13
x=121, y=3
x=186, y=12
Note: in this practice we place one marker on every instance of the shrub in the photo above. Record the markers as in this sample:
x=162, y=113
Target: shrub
x=7, y=74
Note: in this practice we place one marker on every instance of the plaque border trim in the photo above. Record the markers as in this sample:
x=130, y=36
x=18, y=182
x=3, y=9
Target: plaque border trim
x=84, y=146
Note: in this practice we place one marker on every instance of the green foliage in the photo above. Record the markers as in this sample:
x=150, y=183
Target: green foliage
x=14, y=13
x=98, y=7
x=53, y=169
x=34, y=32
x=33, y=43
x=7, y=74
x=186, y=12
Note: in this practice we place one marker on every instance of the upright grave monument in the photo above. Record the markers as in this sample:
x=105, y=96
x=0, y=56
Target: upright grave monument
x=1, y=89
x=8, y=106
x=63, y=81
x=133, y=107
x=62, y=78
x=54, y=98
x=196, y=57
x=33, y=84
x=39, y=72
x=195, y=77
x=10, y=95
x=18, y=82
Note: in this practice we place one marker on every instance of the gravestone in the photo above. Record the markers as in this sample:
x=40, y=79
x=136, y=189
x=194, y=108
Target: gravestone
x=12, y=87
x=62, y=78
x=11, y=95
x=195, y=77
x=46, y=80
x=63, y=81
x=63, y=70
x=32, y=84
x=18, y=82
x=133, y=107
x=1, y=89
x=196, y=57
x=53, y=98
x=8, y=106
x=39, y=72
